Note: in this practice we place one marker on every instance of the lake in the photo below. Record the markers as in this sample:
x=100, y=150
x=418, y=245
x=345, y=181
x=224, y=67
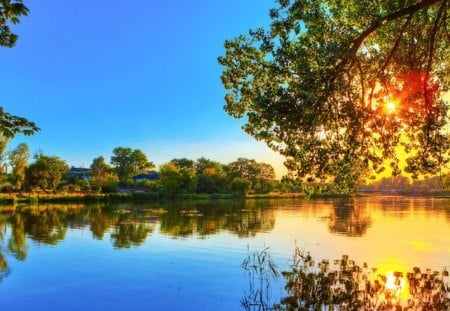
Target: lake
x=187, y=255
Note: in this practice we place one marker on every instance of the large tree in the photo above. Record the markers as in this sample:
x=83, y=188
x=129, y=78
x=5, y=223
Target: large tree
x=10, y=13
x=260, y=176
x=176, y=180
x=128, y=162
x=210, y=176
x=337, y=86
x=102, y=173
x=18, y=160
x=46, y=172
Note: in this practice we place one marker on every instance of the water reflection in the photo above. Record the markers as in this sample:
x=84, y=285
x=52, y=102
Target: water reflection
x=349, y=218
x=130, y=230
x=341, y=285
x=128, y=226
x=205, y=219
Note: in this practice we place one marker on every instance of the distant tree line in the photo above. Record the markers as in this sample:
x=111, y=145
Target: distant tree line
x=51, y=174
x=129, y=170
x=407, y=185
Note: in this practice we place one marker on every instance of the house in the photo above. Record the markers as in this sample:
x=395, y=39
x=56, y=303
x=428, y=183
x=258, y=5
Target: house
x=79, y=172
x=142, y=177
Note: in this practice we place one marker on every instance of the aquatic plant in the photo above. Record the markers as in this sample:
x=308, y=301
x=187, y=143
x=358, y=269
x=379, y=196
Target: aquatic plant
x=343, y=285
x=261, y=271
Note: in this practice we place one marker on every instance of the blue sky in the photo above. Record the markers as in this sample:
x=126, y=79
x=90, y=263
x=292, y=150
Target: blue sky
x=95, y=75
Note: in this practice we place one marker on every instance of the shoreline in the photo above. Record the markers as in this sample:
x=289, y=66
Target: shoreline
x=143, y=197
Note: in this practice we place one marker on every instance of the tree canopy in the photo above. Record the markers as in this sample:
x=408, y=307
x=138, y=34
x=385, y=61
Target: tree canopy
x=337, y=86
x=128, y=162
x=18, y=159
x=10, y=13
x=46, y=172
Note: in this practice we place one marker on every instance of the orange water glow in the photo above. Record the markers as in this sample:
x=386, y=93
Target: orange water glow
x=396, y=285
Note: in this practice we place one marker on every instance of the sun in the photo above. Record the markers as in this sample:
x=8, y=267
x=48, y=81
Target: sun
x=391, y=107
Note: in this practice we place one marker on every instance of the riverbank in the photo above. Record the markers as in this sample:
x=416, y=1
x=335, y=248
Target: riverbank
x=135, y=197
x=142, y=197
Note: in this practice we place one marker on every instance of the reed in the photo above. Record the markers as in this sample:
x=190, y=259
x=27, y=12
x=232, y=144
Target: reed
x=342, y=285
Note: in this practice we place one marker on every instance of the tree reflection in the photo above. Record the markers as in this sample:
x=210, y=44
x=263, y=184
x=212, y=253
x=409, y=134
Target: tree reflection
x=177, y=225
x=349, y=218
x=4, y=267
x=249, y=222
x=17, y=242
x=205, y=219
x=48, y=226
x=99, y=222
x=130, y=231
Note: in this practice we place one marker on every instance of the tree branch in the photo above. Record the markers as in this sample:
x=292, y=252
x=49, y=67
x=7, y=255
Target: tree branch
x=377, y=24
x=396, y=44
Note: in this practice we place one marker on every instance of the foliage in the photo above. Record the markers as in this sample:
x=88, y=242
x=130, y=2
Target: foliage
x=46, y=172
x=18, y=160
x=176, y=180
x=343, y=285
x=11, y=125
x=206, y=183
x=259, y=175
x=111, y=185
x=128, y=162
x=10, y=13
x=149, y=185
x=211, y=177
x=338, y=86
x=102, y=174
x=183, y=163
x=290, y=184
x=240, y=186
x=3, y=144
x=207, y=166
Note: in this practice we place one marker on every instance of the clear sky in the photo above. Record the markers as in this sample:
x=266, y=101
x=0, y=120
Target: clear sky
x=95, y=75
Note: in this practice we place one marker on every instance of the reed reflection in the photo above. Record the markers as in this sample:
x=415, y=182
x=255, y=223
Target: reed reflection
x=341, y=285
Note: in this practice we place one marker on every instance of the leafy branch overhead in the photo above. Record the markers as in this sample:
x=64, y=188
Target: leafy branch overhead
x=337, y=86
x=10, y=13
x=11, y=125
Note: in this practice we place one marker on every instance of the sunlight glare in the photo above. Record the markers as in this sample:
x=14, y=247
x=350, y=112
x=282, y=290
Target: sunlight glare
x=391, y=107
x=397, y=285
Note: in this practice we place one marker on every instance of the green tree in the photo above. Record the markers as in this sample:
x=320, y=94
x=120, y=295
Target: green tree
x=101, y=173
x=210, y=176
x=259, y=175
x=183, y=163
x=3, y=144
x=46, y=172
x=18, y=160
x=240, y=186
x=128, y=162
x=176, y=180
x=337, y=86
x=10, y=13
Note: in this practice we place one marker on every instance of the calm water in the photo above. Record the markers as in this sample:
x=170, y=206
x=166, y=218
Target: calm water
x=187, y=256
